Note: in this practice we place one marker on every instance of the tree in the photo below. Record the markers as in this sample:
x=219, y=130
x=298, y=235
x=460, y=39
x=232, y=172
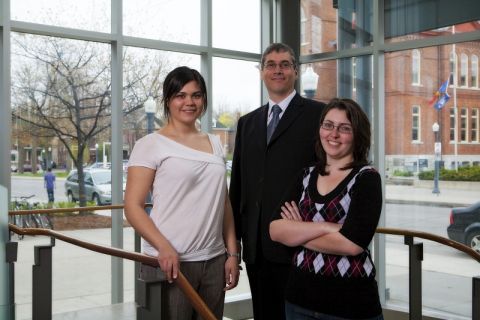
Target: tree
x=62, y=88
x=227, y=119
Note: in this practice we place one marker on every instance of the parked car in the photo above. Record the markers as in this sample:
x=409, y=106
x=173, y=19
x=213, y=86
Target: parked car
x=465, y=226
x=98, y=186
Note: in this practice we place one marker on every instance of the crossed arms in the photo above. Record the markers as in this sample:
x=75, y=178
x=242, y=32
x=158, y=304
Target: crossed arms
x=323, y=237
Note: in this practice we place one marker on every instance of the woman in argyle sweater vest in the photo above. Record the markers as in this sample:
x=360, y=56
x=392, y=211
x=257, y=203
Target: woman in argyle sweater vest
x=329, y=217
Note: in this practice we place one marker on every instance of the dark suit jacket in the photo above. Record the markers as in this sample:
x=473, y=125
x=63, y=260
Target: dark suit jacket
x=262, y=173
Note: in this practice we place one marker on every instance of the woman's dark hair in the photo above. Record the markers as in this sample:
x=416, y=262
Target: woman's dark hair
x=361, y=134
x=176, y=80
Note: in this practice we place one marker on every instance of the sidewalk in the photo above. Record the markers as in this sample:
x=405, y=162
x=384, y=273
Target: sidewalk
x=424, y=196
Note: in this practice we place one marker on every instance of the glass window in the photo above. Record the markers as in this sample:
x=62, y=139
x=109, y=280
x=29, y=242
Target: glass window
x=61, y=105
x=418, y=19
x=410, y=147
x=415, y=123
x=463, y=69
x=91, y=15
x=168, y=20
x=463, y=124
x=143, y=73
x=453, y=68
x=348, y=25
x=303, y=22
x=339, y=79
x=229, y=104
x=474, y=124
x=474, y=72
x=242, y=34
x=416, y=67
x=452, y=124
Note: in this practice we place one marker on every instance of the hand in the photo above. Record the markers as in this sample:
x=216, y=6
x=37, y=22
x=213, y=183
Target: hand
x=232, y=272
x=168, y=262
x=290, y=211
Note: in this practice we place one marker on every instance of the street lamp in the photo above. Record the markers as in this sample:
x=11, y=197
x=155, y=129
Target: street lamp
x=150, y=107
x=438, y=151
x=96, y=152
x=49, y=156
x=309, y=82
x=44, y=160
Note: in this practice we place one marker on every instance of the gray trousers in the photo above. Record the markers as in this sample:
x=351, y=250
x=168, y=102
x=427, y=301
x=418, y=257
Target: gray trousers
x=206, y=277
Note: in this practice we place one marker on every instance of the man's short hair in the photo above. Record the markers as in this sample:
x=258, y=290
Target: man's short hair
x=279, y=47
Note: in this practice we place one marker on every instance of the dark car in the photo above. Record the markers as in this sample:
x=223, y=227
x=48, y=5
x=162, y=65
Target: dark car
x=465, y=226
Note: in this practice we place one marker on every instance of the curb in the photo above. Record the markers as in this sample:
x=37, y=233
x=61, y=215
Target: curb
x=426, y=203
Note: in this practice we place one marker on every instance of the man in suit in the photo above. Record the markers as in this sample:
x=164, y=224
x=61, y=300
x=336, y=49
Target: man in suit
x=262, y=171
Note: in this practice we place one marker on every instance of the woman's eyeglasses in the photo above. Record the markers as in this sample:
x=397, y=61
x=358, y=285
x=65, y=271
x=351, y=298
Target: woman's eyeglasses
x=342, y=128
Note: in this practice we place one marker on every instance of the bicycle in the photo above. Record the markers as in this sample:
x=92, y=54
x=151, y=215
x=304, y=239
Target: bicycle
x=34, y=220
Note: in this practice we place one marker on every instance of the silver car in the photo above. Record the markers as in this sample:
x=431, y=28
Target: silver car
x=98, y=186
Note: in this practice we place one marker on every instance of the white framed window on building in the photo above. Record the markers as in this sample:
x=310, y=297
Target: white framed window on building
x=463, y=70
x=463, y=124
x=416, y=123
x=453, y=68
x=474, y=72
x=453, y=123
x=416, y=67
x=474, y=126
x=303, y=22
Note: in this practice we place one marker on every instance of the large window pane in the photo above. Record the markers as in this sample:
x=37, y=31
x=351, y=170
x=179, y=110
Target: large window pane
x=236, y=91
x=61, y=110
x=168, y=20
x=143, y=74
x=347, y=78
x=418, y=18
x=420, y=131
x=243, y=32
x=335, y=25
x=86, y=14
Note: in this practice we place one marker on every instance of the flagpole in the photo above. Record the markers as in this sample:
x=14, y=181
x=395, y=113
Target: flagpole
x=455, y=143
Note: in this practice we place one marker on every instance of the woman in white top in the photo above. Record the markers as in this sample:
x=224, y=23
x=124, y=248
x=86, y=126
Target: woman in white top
x=190, y=226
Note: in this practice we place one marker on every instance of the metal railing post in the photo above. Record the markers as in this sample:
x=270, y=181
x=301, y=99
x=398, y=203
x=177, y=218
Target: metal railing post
x=476, y=298
x=149, y=300
x=11, y=252
x=415, y=279
x=42, y=282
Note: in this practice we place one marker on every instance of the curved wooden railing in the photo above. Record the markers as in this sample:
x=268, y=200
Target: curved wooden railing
x=432, y=237
x=393, y=231
x=196, y=301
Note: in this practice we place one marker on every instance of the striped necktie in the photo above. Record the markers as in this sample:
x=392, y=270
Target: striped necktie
x=276, y=110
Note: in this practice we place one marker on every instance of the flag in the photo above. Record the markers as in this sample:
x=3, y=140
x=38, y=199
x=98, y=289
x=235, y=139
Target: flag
x=441, y=96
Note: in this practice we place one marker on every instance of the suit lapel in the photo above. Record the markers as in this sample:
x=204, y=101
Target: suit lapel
x=261, y=127
x=294, y=109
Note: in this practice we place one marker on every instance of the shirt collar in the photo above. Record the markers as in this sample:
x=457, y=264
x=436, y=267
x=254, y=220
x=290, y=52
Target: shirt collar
x=282, y=104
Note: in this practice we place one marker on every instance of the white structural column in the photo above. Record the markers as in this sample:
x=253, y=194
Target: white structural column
x=117, y=149
x=7, y=309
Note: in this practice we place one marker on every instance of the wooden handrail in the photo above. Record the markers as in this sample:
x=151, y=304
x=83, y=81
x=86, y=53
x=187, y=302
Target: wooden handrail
x=404, y=232
x=196, y=301
x=64, y=210
x=432, y=237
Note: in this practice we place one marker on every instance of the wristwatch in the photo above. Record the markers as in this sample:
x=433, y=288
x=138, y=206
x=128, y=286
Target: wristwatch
x=236, y=254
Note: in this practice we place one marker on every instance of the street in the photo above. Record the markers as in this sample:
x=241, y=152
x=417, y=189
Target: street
x=34, y=186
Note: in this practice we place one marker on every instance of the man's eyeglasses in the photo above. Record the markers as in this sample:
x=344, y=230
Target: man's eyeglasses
x=284, y=65
x=342, y=128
